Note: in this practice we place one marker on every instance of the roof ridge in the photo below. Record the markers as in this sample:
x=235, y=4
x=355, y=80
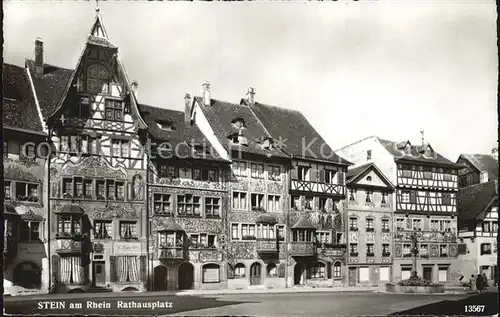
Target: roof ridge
x=358, y=141
x=51, y=65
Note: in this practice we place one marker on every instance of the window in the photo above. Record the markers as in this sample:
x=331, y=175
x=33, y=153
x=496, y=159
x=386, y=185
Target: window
x=81, y=109
x=101, y=189
x=443, y=250
x=265, y=231
x=385, y=224
x=309, y=202
x=353, y=223
x=486, y=226
x=494, y=227
x=210, y=273
x=203, y=240
x=337, y=270
x=446, y=198
x=274, y=172
x=384, y=198
x=322, y=203
x=483, y=177
x=340, y=178
x=97, y=79
x=87, y=187
x=405, y=272
x=102, y=229
x=447, y=176
x=110, y=189
x=323, y=237
x=30, y=231
x=423, y=250
x=406, y=171
x=68, y=187
x=443, y=274
x=162, y=204
x=417, y=224
x=485, y=248
x=128, y=230
x=272, y=271
x=248, y=231
x=7, y=189
x=353, y=249
x=239, y=270
x=235, y=233
x=352, y=195
x=200, y=174
x=406, y=250
x=280, y=232
x=240, y=169
x=171, y=172
x=257, y=170
x=318, y=270
x=67, y=224
x=26, y=191
x=303, y=173
x=78, y=187
x=273, y=203
x=257, y=201
x=329, y=175
x=188, y=205
x=120, y=191
x=295, y=201
x=114, y=110
x=405, y=196
x=427, y=173
x=239, y=200
x=385, y=249
x=212, y=207
x=369, y=224
x=370, y=250
x=120, y=148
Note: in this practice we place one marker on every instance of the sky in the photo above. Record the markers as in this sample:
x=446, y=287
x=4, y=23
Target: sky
x=353, y=69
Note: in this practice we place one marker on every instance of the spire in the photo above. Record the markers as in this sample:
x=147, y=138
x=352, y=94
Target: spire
x=97, y=29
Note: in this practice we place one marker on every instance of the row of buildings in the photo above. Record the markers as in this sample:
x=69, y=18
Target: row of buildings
x=103, y=193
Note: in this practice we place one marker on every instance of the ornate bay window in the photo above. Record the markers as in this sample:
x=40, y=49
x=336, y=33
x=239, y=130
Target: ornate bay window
x=171, y=241
x=303, y=238
x=69, y=229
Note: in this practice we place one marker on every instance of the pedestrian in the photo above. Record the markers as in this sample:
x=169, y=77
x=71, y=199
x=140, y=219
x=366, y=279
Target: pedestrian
x=485, y=281
x=479, y=282
x=472, y=283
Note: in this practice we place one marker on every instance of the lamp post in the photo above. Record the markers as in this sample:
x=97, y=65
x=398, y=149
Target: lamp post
x=415, y=236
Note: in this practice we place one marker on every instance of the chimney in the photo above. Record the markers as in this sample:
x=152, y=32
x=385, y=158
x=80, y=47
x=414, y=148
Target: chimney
x=38, y=57
x=206, y=94
x=494, y=153
x=250, y=95
x=187, y=109
x=135, y=89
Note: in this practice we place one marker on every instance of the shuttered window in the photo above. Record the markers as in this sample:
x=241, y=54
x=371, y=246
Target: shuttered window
x=211, y=273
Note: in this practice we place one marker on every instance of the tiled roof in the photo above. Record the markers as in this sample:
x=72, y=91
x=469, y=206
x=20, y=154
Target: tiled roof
x=19, y=110
x=221, y=114
x=354, y=171
x=474, y=200
x=303, y=223
x=396, y=150
x=295, y=128
x=483, y=162
x=49, y=87
x=181, y=132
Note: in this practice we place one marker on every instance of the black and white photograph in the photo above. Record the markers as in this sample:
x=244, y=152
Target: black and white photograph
x=250, y=158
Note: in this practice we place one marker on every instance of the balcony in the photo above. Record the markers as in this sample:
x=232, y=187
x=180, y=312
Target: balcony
x=266, y=245
x=69, y=245
x=171, y=253
x=317, y=187
x=302, y=248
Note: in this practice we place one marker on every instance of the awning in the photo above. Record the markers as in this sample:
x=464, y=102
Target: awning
x=267, y=219
x=303, y=223
x=71, y=209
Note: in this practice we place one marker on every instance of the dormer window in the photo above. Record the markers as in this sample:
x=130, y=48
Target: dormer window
x=429, y=152
x=97, y=79
x=239, y=139
x=238, y=123
x=267, y=144
x=484, y=177
x=407, y=149
x=165, y=126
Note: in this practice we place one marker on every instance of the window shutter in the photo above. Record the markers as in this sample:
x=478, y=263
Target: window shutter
x=329, y=270
x=322, y=176
x=294, y=172
x=313, y=174
x=112, y=265
x=55, y=269
x=144, y=263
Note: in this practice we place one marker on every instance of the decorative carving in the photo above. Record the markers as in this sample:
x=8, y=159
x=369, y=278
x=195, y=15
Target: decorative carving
x=386, y=237
x=453, y=250
x=434, y=250
x=112, y=211
x=398, y=251
x=210, y=256
x=354, y=237
x=370, y=237
x=275, y=187
x=93, y=167
x=31, y=215
x=426, y=236
x=138, y=185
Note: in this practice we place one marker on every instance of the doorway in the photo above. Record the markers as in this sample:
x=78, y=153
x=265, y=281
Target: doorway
x=298, y=274
x=352, y=276
x=427, y=273
x=256, y=274
x=160, y=278
x=186, y=276
x=99, y=273
x=28, y=275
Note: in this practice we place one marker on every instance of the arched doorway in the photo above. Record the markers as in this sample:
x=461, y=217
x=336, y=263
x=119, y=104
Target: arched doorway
x=186, y=276
x=298, y=274
x=256, y=274
x=160, y=278
x=28, y=275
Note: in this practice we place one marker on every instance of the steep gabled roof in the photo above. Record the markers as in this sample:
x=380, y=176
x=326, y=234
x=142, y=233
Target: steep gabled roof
x=221, y=114
x=483, y=162
x=19, y=110
x=49, y=87
x=295, y=128
x=181, y=136
x=396, y=149
x=474, y=201
x=355, y=173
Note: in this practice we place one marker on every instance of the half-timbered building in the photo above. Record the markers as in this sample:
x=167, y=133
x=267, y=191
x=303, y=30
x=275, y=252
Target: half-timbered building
x=96, y=171
x=314, y=214
x=478, y=230
x=369, y=225
x=187, y=199
x=424, y=202
x=477, y=168
x=25, y=252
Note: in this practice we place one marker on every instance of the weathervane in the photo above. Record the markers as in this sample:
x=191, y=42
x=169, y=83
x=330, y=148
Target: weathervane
x=422, y=133
x=97, y=6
